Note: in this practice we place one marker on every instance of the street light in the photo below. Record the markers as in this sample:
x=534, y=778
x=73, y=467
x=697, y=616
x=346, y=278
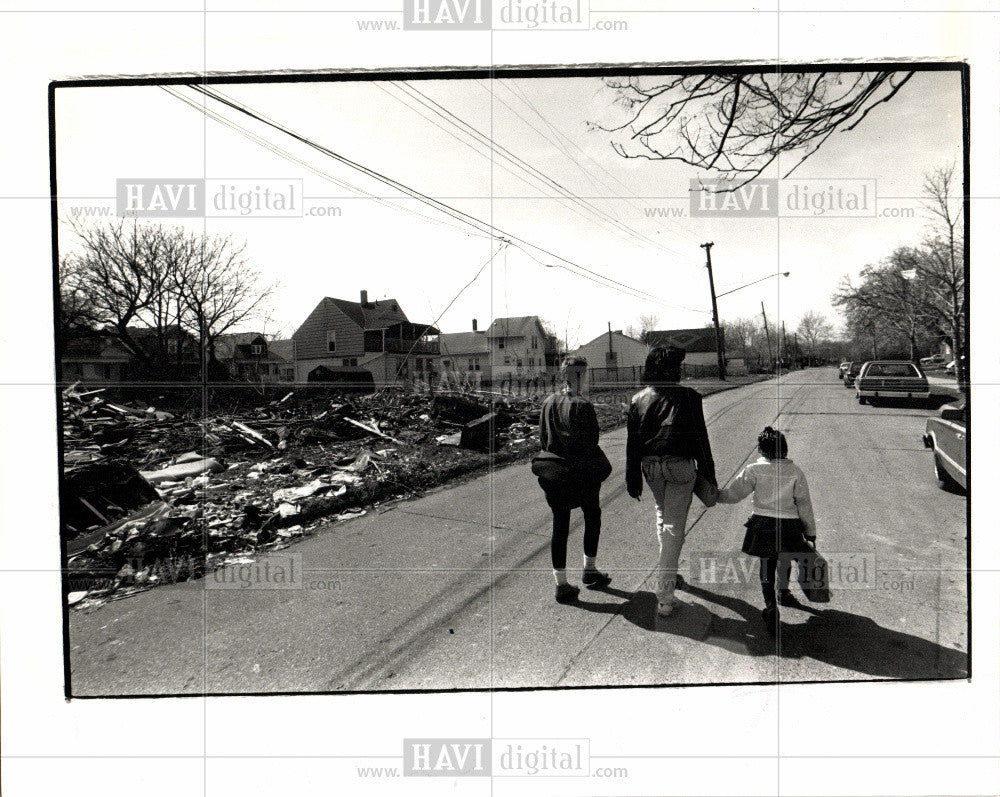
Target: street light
x=908, y=275
x=715, y=310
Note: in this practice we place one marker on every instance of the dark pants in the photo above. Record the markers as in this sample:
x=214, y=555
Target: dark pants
x=768, y=574
x=562, y=500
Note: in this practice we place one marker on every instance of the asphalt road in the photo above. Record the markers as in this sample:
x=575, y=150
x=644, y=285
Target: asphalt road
x=454, y=590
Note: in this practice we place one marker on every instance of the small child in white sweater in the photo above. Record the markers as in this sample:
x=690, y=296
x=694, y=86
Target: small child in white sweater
x=782, y=519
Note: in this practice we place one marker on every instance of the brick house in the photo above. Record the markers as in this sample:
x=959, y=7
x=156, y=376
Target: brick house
x=344, y=336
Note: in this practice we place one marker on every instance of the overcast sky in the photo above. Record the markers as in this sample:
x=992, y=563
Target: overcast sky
x=108, y=133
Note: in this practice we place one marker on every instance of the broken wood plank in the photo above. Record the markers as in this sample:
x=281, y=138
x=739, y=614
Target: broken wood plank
x=373, y=430
x=254, y=435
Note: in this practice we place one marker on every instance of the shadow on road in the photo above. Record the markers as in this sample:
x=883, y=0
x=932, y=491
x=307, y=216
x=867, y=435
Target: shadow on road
x=842, y=639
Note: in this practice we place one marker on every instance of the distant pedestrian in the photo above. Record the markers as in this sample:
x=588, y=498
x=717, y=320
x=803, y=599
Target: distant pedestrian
x=570, y=468
x=782, y=521
x=667, y=446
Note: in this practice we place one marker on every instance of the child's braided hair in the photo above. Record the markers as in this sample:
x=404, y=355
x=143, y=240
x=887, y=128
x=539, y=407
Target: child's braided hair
x=772, y=443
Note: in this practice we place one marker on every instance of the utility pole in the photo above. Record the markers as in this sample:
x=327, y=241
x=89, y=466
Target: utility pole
x=783, y=349
x=770, y=353
x=719, y=353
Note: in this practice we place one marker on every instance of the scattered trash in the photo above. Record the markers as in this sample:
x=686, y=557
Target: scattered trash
x=480, y=434
x=182, y=470
x=156, y=495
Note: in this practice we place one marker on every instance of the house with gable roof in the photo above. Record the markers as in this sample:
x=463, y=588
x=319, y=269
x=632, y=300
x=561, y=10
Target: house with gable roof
x=518, y=348
x=343, y=336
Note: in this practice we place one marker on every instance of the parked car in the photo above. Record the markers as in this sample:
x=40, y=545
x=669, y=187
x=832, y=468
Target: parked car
x=934, y=361
x=852, y=373
x=950, y=368
x=891, y=379
x=843, y=369
x=947, y=436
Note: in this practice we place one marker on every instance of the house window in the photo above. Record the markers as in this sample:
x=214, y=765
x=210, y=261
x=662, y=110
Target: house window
x=446, y=363
x=349, y=361
x=501, y=343
x=331, y=340
x=506, y=359
x=107, y=371
x=519, y=363
x=257, y=349
x=531, y=362
x=534, y=341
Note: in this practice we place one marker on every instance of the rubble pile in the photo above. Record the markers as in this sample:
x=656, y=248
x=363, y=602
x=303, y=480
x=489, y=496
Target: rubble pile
x=151, y=497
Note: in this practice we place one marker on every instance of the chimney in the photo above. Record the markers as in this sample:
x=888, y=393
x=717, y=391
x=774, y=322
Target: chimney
x=364, y=298
x=475, y=325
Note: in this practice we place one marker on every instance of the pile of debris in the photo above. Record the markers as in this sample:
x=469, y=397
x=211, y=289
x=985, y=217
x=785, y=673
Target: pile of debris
x=151, y=497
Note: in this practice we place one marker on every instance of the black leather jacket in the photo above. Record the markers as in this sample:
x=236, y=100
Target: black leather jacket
x=667, y=420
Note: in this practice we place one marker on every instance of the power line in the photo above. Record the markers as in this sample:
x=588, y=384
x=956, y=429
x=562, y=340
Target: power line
x=512, y=87
x=436, y=204
x=286, y=155
x=488, y=155
x=542, y=134
x=494, y=146
x=584, y=276
x=501, y=248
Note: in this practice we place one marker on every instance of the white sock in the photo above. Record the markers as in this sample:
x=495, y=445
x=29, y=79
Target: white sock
x=590, y=563
x=560, y=576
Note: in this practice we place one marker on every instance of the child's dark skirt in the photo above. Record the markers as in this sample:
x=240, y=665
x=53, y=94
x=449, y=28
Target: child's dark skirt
x=767, y=537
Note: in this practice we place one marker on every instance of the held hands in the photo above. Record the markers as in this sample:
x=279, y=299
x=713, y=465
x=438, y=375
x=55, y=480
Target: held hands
x=634, y=487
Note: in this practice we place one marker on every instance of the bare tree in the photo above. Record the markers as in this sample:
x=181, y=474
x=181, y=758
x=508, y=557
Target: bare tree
x=746, y=336
x=814, y=328
x=114, y=269
x=943, y=269
x=218, y=289
x=736, y=125
x=76, y=312
x=149, y=285
x=552, y=344
x=919, y=291
x=644, y=325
